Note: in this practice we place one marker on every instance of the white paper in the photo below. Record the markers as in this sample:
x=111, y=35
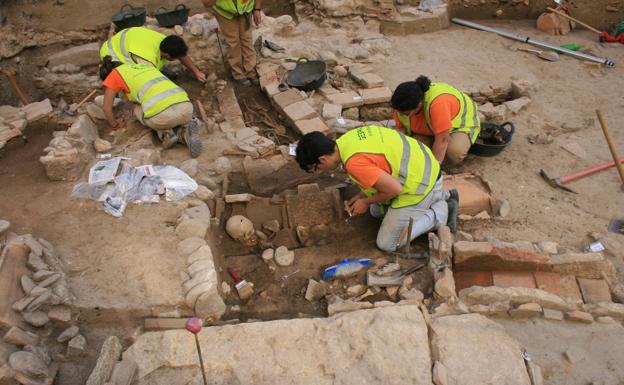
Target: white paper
x=357, y=97
x=341, y=121
x=104, y=171
x=292, y=149
x=596, y=247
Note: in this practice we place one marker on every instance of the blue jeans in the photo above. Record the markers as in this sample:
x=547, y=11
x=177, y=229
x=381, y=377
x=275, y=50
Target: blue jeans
x=429, y=214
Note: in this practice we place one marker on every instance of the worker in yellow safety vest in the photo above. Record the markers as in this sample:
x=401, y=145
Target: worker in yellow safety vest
x=438, y=115
x=235, y=18
x=161, y=104
x=398, y=176
x=140, y=45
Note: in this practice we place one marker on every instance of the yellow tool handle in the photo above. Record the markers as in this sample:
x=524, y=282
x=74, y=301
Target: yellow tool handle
x=573, y=19
x=612, y=148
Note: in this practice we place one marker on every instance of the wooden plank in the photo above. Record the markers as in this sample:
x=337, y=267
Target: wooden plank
x=12, y=267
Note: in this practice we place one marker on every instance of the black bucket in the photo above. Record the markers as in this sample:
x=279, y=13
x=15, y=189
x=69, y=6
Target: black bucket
x=167, y=19
x=493, y=139
x=308, y=75
x=129, y=16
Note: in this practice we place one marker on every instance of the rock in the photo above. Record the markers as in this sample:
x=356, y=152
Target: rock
x=355, y=290
x=351, y=113
x=526, y=310
x=196, y=29
x=439, y=374
x=36, y=318
x=605, y=320
x=50, y=280
x=548, y=247
x=210, y=305
x=4, y=225
x=268, y=254
x=284, y=257
x=222, y=165
x=76, y=346
x=83, y=129
x=520, y=88
x=517, y=105
x=316, y=290
x=5, y=351
x=272, y=226
x=205, y=287
x=444, y=283
x=516, y=295
x=338, y=305
x=109, y=355
x=179, y=30
x=95, y=112
x=190, y=245
x=204, y=193
x=27, y=284
x=482, y=215
x=225, y=288
x=331, y=111
x=19, y=337
x=535, y=373
x=551, y=314
x=42, y=275
x=580, y=316
x=190, y=167
x=36, y=263
x=101, y=145
x=413, y=294
x=42, y=299
x=29, y=364
x=463, y=236
x=340, y=71
x=204, y=252
x=68, y=334
x=60, y=314
x=37, y=110
x=81, y=56
x=123, y=373
x=191, y=228
x=398, y=356
x=504, y=209
x=21, y=304
x=465, y=341
x=494, y=114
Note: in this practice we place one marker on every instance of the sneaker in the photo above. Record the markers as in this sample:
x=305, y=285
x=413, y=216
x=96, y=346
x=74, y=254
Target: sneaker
x=254, y=81
x=453, y=210
x=169, y=139
x=242, y=82
x=192, y=139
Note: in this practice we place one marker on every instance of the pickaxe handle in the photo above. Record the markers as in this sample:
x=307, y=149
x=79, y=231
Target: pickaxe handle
x=569, y=178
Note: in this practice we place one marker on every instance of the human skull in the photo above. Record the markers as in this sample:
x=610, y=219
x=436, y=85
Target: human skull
x=240, y=228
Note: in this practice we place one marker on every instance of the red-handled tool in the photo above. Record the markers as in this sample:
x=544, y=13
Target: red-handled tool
x=194, y=325
x=558, y=182
x=244, y=288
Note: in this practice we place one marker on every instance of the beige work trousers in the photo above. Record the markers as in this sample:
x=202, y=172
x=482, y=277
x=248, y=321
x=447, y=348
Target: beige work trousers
x=457, y=148
x=175, y=115
x=241, y=53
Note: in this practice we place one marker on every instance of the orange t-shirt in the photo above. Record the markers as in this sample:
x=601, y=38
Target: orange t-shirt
x=443, y=109
x=115, y=82
x=366, y=168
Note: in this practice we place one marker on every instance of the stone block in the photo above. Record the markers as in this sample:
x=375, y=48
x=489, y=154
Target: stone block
x=584, y=265
x=37, y=110
x=299, y=110
x=480, y=256
x=76, y=346
x=19, y=337
x=123, y=373
x=81, y=56
x=109, y=355
x=60, y=314
x=563, y=286
x=368, y=79
x=514, y=295
x=465, y=279
x=346, y=99
x=272, y=89
x=513, y=279
x=475, y=194
x=375, y=95
x=444, y=283
x=331, y=111
x=580, y=316
x=286, y=98
x=611, y=309
x=594, y=290
x=234, y=198
x=342, y=306
x=305, y=126
x=210, y=305
x=551, y=314
x=191, y=228
x=83, y=129
x=440, y=376
x=526, y=310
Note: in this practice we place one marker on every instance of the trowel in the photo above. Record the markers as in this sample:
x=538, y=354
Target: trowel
x=244, y=288
x=546, y=55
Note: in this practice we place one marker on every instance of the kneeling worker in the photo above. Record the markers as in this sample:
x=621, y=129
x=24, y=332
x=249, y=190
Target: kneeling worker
x=163, y=106
x=398, y=176
x=140, y=45
x=438, y=115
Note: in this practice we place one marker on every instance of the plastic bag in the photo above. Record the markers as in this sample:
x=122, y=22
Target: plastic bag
x=104, y=171
x=429, y=5
x=177, y=183
x=84, y=190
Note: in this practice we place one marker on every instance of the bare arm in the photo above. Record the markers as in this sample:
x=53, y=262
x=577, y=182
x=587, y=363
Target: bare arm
x=387, y=188
x=440, y=144
x=107, y=106
x=188, y=63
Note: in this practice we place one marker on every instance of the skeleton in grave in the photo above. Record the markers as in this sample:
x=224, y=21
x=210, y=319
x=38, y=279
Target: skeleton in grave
x=241, y=229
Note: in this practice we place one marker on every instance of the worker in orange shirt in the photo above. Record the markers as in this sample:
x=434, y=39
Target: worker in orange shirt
x=398, y=176
x=438, y=115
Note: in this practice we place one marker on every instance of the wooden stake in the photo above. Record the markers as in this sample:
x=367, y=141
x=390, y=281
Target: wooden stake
x=407, y=247
x=614, y=153
x=573, y=19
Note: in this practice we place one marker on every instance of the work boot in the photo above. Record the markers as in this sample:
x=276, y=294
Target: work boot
x=254, y=81
x=168, y=138
x=192, y=139
x=453, y=210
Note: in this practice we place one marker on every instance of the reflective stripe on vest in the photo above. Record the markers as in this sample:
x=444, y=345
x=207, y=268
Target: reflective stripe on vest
x=411, y=162
x=139, y=41
x=150, y=88
x=232, y=8
x=466, y=121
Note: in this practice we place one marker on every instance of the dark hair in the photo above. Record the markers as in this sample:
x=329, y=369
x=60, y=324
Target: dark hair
x=174, y=46
x=312, y=146
x=107, y=66
x=408, y=95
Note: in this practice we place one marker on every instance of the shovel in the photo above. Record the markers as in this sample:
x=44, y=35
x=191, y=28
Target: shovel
x=546, y=55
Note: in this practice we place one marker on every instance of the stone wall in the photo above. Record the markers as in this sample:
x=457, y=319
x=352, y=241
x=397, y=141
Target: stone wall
x=600, y=14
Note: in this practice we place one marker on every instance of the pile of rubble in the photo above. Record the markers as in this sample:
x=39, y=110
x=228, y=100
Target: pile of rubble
x=13, y=120
x=45, y=308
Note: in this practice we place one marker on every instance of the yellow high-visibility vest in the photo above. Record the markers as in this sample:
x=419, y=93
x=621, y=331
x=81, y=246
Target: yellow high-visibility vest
x=150, y=88
x=467, y=119
x=232, y=8
x=139, y=41
x=412, y=163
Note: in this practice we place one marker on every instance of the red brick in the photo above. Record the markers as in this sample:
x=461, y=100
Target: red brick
x=562, y=285
x=484, y=256
x=465, y=279
x=513, y=279
x=305, y=126
x=580, y=316
x=594, y=290
x=286, y=98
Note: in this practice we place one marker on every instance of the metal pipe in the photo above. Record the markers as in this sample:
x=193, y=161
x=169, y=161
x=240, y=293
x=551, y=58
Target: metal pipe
x=537, y=43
